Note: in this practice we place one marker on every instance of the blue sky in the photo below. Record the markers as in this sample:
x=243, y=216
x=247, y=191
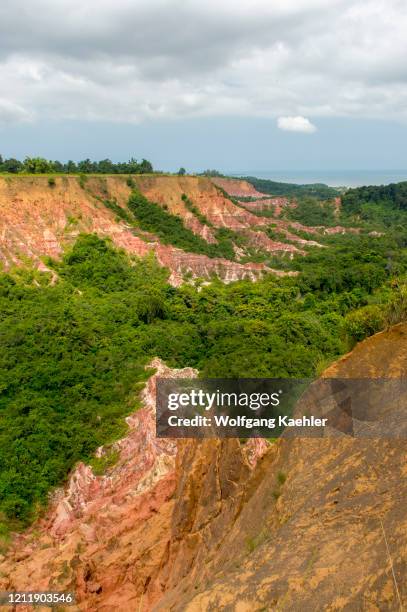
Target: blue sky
x=227, y=144
x=266, y=85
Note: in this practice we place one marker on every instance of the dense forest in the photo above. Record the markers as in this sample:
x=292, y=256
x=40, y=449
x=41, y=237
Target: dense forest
x=292, y=190
x=384, y=201
x=74, y=352
x=39, y=165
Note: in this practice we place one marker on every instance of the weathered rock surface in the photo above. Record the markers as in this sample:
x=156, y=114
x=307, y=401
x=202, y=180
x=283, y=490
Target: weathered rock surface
x=322, y=524
x=105, y=536
x=38, y=220
x=275, y=205
x=109, y=538
x=238, y=188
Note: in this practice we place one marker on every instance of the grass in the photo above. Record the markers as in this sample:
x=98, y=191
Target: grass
x=100, y=465
x=254, y=542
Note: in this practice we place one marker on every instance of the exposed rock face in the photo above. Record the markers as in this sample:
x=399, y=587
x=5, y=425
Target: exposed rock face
x=262, y=241
x=238, y=188
x=275, y=205
x=105, y=535
x=38, y=220
x=322, y=524
x=109, y=538
x=215, y=525
x=203, y=194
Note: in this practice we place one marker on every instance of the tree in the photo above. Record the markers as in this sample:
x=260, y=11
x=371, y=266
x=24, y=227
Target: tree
x=145, y=167
x=12, y=165
x=71, y=167
x=86, y=166
x=105, y=166
x=182, y=172
x=37, y=165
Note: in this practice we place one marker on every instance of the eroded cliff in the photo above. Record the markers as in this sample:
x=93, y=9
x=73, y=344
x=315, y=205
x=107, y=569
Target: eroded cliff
x=40, y=220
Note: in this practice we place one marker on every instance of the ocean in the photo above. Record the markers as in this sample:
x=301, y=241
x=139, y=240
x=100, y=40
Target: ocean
x=334, y=178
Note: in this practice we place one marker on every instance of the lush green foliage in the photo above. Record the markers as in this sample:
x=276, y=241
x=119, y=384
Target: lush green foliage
x=39, y=165
x=377, y=207
x=311, y=211
x=291, y=190
x=73, y=353
x=392, y=196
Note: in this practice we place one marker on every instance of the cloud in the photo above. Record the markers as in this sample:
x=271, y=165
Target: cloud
x=296, y=124
x=11, y=113
x=120, y=60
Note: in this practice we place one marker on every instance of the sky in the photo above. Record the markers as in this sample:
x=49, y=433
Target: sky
x=232, y=85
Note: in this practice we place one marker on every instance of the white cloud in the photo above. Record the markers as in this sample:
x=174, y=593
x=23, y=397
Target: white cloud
x=11, y=113
x=296, y=124
x=128, y=61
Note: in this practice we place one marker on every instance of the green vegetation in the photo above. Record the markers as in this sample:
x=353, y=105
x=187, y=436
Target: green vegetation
x=291, y=190
x=171, y=229
x=106, y=461
x=74, y=351
x=256, y=541
x=281, y=478
x=39, y=165
x=380, y=207
x=311, y=211
x=121, y=213
x=214, y=173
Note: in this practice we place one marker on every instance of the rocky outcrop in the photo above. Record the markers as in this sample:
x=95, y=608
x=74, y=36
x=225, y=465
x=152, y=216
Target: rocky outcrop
x=203, y=194
x=38, y=220
x=110, y=538
x=238, y=188
x=274, y=205
x=321, y=524
x=260, y=240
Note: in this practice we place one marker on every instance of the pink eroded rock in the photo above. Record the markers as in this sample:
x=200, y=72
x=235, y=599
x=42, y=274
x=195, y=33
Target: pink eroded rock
x=143, y=461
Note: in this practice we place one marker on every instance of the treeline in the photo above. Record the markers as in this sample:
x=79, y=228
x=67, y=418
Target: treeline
x=391, y=196
x=291, y=190
x=40, y=165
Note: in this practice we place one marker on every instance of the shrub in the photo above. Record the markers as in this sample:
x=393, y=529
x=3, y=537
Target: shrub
x=397, y=309
x=82, y=180
x=364, y=322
